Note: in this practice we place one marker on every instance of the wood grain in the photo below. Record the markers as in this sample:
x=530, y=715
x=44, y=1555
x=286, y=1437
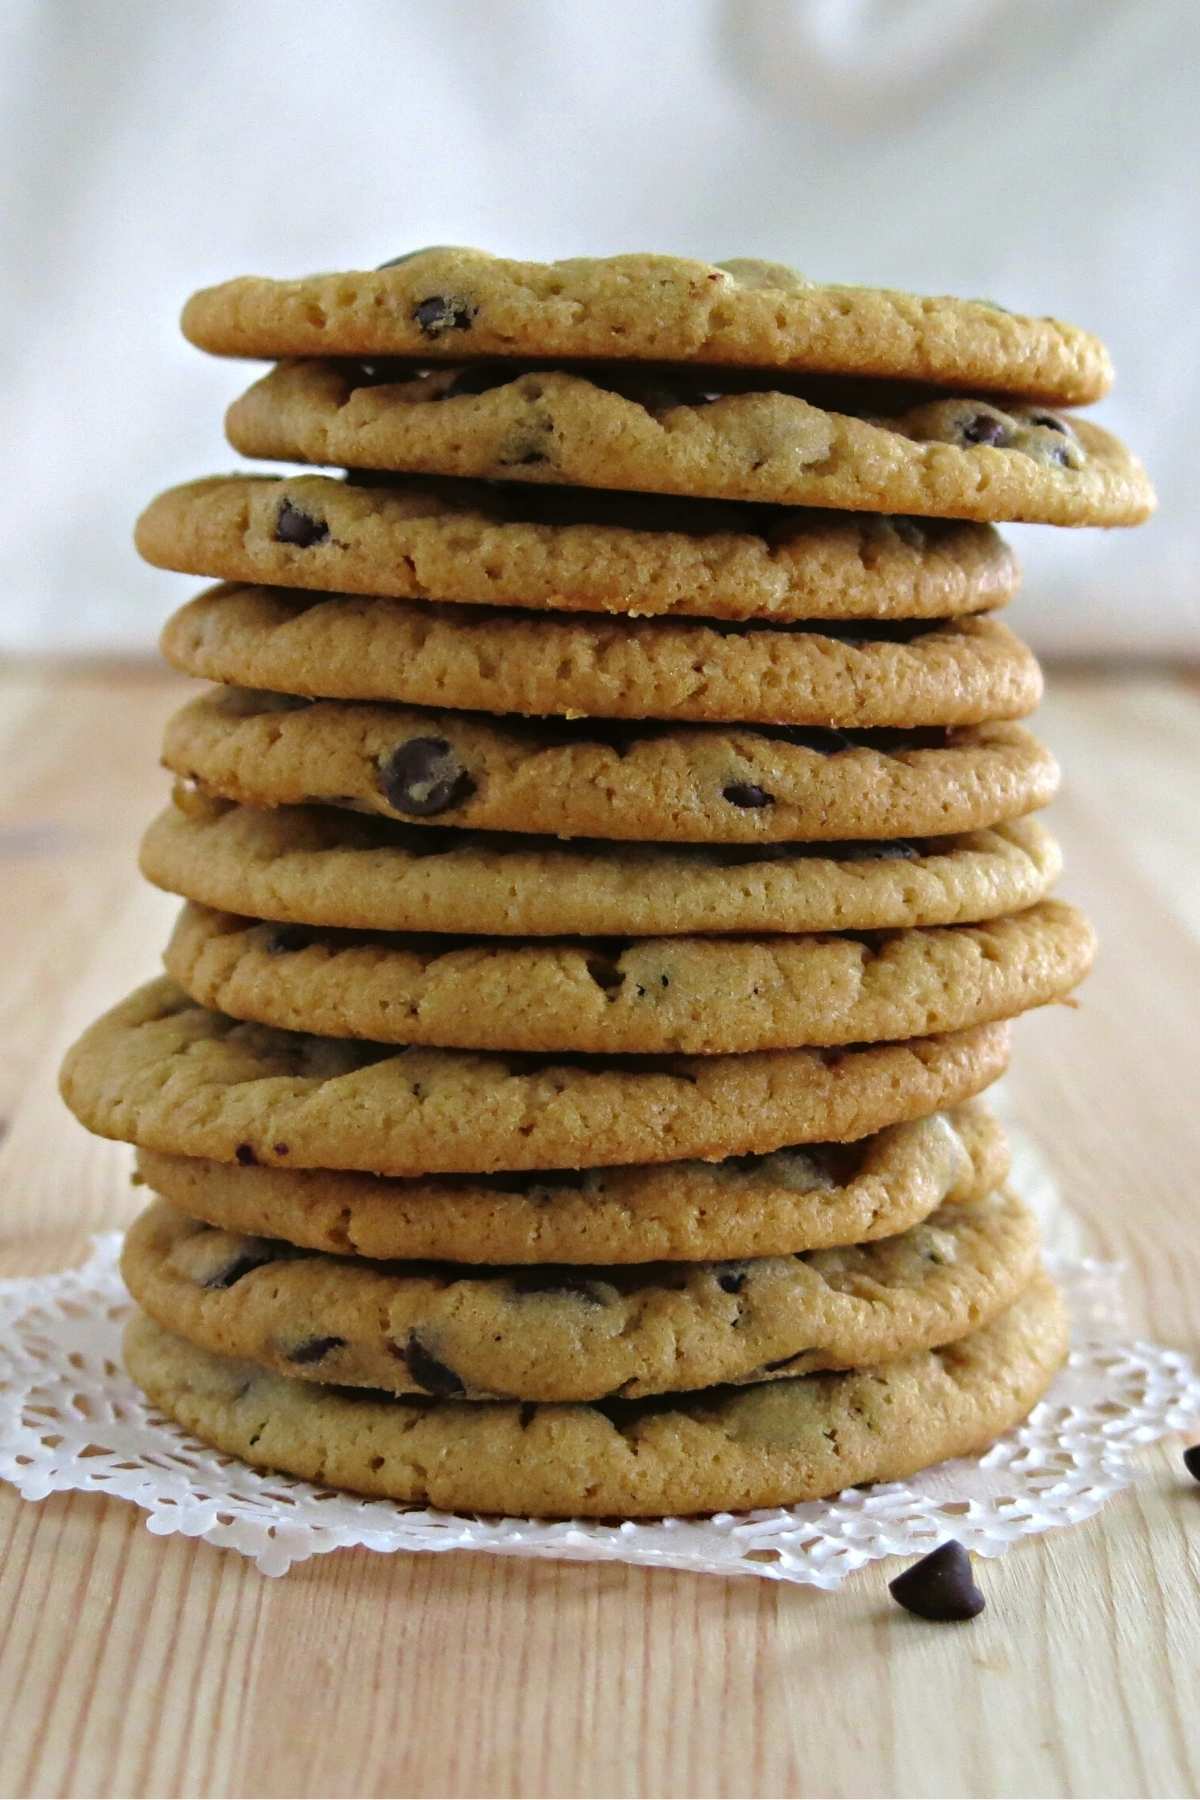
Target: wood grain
x=131, y=1665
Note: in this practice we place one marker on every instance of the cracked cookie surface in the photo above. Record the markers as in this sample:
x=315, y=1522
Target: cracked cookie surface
x=454, y=302
x=770, y=1444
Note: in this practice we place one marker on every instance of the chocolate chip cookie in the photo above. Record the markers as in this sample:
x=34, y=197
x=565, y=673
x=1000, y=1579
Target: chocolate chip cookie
x=316, y=865
x=616, y=780
x=646, y=995
x=554, y=1332
x=961, y=458
x=160, y=1072
x=909, y=672
x=575, y=550
x=744, y=313
x=728, y=1449
x=799, y=1198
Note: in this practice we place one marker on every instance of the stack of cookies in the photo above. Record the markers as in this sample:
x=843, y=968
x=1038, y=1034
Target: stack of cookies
x=610, y=867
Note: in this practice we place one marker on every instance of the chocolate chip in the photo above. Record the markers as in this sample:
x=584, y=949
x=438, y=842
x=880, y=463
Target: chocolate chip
x=423, y=777
x=428, y=1373
x=1191, y=1461
x=732, y=1281
x=605, y=974
x=295, y=527
x=236, y=1267
x=312, y=1350
x=747, y=794
x=245, y=1155
x=443, y=312
x=288, y=938
x=1049, y=422
x=984, y=428
x=282, y=1149
x=940, y=1587
x=560, y=1283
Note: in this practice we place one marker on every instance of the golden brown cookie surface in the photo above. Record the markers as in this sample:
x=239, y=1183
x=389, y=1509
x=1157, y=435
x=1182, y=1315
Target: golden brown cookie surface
x=607, y=779
x=960, y=458
x=456, y=302
x=773, y=1205
x=160, y=1072
x=771, y=1444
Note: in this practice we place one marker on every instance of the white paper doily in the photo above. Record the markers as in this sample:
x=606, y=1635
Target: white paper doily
x=71, y=1420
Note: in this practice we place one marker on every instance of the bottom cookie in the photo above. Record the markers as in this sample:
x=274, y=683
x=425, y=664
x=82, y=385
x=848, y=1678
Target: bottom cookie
x=727, y=1449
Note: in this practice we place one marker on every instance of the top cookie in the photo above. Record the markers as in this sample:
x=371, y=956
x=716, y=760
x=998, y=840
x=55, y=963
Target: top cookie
x=455, y=303
x=951, y=458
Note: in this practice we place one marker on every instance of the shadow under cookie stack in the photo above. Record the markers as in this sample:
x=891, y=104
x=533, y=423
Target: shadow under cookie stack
x=610, y=867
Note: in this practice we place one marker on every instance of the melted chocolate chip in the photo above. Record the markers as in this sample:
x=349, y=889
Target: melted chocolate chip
x=747, y=794
x=428, y=1373
x=732, y=1281
x=605, y=974
x=1048, y=422
x=288, y=938
x=443, y=312
x=293, y=526
x=1191, y=1461
x=245, y=1155
x=314, y=1349
x=984, y=428
x=423, y=777
x=940, y=1587
x=236, y=1267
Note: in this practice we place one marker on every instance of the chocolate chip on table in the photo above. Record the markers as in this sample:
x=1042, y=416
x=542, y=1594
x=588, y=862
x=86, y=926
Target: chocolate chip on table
x=747, y=794
x=1191, y=1461
x=433, y=1376
x=314, y=1349
x=940, y=1587
x=443, y=312
x=984, y=428
x=292, y=526
x=423, y=777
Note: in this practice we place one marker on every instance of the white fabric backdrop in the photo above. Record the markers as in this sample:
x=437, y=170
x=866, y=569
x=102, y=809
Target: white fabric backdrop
x=1040, y=152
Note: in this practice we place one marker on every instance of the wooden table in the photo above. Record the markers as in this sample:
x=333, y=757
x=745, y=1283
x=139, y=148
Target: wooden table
x=130, y=1665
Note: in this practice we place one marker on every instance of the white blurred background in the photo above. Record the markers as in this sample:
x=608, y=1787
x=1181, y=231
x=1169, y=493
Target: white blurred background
x=1042, y=153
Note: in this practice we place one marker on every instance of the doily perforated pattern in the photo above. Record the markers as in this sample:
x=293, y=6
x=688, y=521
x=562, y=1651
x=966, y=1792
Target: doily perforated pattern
x=71, y=1420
